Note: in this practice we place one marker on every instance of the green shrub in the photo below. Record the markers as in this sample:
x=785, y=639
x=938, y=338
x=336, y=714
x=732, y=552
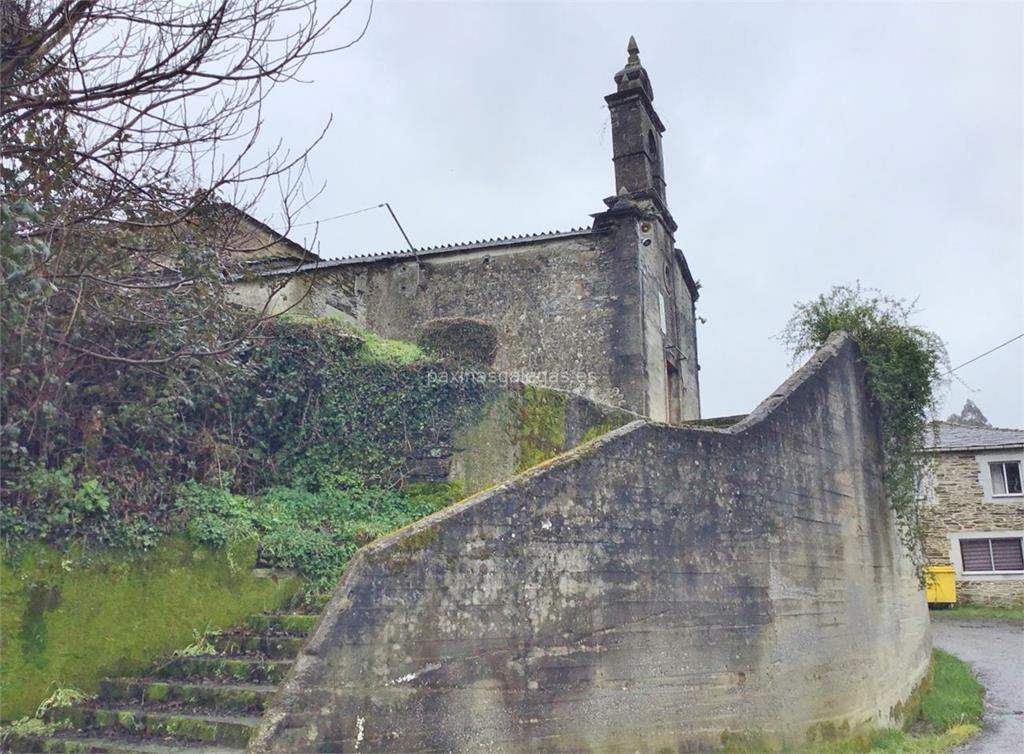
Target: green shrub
x=312, y=532
x=904, y=364
x=215, y=515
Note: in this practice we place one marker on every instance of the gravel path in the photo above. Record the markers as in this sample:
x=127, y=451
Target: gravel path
x=996, y=651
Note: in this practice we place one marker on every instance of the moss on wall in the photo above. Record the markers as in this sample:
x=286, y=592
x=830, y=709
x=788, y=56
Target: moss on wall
x=521, y=426
x=70, y=621
x=541, y=426
x=485, y=453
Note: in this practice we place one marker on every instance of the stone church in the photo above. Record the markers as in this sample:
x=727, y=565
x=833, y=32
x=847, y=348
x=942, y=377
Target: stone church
x=605, y=311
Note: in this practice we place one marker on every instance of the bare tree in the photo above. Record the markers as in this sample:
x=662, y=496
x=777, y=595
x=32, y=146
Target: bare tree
x=145, y=108
x=124, y=122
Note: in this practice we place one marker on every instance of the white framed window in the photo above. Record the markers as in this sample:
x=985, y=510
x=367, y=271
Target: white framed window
x=988, y=555
x=1000, y=475
x=661, y=314
x=1005, y=478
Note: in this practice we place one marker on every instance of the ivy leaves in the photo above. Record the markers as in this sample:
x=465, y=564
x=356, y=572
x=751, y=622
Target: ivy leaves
x=905, y=365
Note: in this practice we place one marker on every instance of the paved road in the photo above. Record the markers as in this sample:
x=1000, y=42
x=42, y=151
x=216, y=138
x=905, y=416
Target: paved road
x=996, y=650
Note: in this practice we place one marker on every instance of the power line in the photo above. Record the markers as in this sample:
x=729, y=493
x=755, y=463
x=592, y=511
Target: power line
x=991, y=350
x=386, y=205
x=338, y=217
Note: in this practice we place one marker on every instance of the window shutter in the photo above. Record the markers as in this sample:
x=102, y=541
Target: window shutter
x=975, y=555
x=1007, y=554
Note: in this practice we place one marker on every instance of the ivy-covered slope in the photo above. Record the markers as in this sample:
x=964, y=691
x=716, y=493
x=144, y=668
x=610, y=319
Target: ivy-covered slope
x=313, y=442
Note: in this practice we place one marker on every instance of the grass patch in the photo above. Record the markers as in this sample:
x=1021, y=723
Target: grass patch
x=950, y=711
x=950, y=714
x=382, y=350
x=929, y=743
x=373, y=348
x=980, y=612
x=955, y=696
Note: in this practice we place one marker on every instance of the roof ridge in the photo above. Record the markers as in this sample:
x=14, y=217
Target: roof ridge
x=460, y=244
x=976, y=426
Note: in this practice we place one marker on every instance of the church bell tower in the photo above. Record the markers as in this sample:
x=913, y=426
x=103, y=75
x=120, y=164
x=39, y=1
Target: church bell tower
x=657, y=359
x=636, y=134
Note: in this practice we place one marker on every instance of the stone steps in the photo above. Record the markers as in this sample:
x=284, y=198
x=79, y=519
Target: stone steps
x=62, y=743
x=231, y=731
x=229, y=669
x=194, y=704
x=270, y=647
x=238, y=698
x=283, y=625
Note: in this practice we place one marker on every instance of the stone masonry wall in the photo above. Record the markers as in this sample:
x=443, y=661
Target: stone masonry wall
x=955, y=505
x=568, y=310
x=660, y=275
x=660, y=588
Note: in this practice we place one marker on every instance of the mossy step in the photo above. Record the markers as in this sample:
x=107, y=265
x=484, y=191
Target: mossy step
x=292, y=624
x=274, y=647
x=228, y=730
x=241, y=698
x=76, y=743
x=228, y=669
x=312, y=604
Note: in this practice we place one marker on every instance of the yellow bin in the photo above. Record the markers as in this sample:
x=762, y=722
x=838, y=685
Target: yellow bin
x=940, y=585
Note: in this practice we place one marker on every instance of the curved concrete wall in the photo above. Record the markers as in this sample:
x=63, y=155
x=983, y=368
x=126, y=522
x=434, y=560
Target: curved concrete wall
x=660, y=589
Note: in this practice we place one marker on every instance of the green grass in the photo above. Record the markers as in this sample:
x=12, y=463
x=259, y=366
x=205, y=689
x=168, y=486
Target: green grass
x=381, y=350
x=929, y=743
x=950, y=714
x=950, y=711
x=955, y=696
x=374, y=348
x=980, y=612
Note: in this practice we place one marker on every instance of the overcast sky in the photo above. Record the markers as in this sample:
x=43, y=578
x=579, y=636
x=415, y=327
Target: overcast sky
x=807, y=145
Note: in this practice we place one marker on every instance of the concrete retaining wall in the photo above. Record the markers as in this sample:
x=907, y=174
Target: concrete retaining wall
x=660, y=589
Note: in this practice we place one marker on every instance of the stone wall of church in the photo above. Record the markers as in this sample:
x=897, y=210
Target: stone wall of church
x=669, y=329
x=660, y=589
x=569, y=310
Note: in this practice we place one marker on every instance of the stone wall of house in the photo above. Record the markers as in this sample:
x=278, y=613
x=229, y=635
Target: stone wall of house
x=659, y=589
x=955, y=504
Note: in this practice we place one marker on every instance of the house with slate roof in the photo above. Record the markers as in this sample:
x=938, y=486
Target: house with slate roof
x=973, y=510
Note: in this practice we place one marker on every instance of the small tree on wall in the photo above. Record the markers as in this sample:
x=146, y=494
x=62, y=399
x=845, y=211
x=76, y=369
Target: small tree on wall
x=905, y=365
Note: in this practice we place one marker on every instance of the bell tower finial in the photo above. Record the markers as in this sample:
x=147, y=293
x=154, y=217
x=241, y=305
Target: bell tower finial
x=634, y=52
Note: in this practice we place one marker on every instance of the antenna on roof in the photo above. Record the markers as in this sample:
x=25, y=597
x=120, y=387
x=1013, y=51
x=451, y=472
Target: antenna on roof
x=395, y=218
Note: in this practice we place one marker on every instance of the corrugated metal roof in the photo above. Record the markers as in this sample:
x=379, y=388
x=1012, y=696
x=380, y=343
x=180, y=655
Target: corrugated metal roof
x=950, y=436
x=432, y=250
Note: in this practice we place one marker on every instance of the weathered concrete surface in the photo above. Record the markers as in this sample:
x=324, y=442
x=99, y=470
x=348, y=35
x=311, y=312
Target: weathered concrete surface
x=996, y=651
x=660, y=589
